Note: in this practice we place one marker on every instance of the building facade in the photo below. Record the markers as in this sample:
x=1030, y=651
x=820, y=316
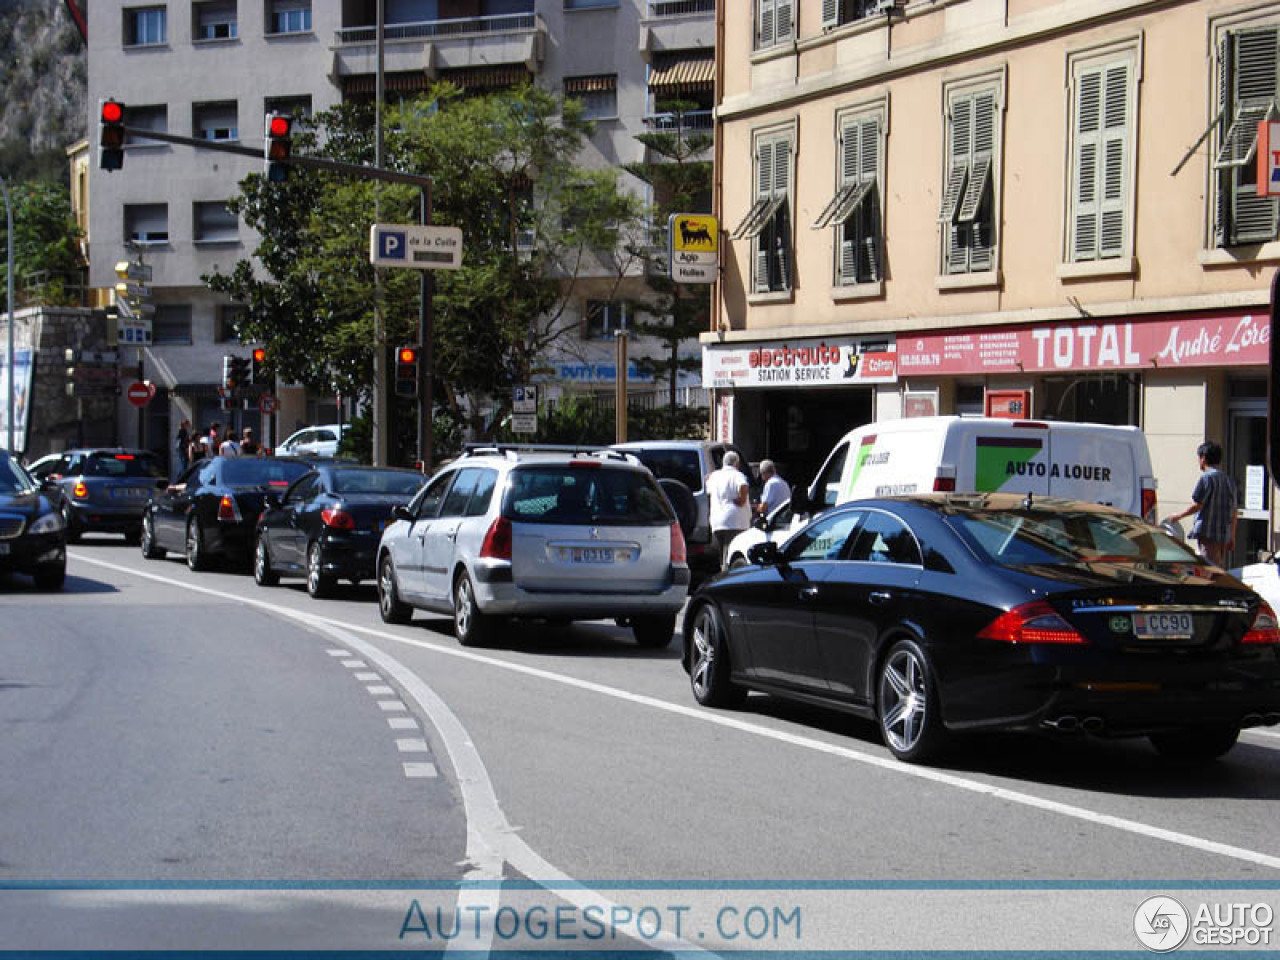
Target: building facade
x=213, y=69
x=1026, y=208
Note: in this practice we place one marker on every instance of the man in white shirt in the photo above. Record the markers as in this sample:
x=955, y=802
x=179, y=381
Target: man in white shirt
x=730, y=506
x=776, y=491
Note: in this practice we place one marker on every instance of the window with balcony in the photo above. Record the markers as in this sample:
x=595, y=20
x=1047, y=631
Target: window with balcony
x=588, y=4
x=768, y=222
x=853, y=213
x=214, y=121
x=289, y=16
x=1248, y=79
x=150, y=117
x=775, y=22
x=1104, y=98
x=214, y=223
x=836, y=13
x=214, y=20
x=605, y=318
x=598, y=95
x=145, y=26
x=171, y=325
x=967, y=214
x=146, y=223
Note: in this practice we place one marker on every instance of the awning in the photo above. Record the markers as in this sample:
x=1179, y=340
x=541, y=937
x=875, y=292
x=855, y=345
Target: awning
x=366, y=83
x=694, y=73
x=601, y=84
x=500, y=75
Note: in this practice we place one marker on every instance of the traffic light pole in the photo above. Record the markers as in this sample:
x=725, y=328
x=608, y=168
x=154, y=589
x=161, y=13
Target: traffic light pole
x=426, y=318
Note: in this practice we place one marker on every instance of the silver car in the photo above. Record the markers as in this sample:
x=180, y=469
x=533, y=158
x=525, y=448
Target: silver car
x=510, y=532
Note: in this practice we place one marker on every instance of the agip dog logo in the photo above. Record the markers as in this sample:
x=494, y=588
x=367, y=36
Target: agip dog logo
x=692, y=233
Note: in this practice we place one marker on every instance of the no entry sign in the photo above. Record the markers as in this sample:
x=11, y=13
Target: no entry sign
x=140, y=393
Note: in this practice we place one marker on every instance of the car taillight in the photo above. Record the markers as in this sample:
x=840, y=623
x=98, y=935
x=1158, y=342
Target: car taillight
x=497, y=540
x=1265, y=629
x=337, y=518
x=944, y=484
x=678, y=553
x=1034, y=622
x=79, y=490
x=1149, y=504
x=227, y=510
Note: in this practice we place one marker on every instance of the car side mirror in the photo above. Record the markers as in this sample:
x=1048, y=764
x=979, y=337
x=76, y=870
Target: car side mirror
x=764, y=554
x=761, y=522
x=403, y=513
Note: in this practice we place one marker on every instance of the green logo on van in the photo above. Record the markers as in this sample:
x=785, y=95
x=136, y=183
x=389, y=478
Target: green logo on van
x=864, y=451
x=998, y=459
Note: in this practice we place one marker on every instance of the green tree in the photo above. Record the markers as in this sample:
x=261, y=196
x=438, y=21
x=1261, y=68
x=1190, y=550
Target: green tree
x=46, y=249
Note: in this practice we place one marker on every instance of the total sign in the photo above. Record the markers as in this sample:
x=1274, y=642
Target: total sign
x=423, y=248
x=693, y=247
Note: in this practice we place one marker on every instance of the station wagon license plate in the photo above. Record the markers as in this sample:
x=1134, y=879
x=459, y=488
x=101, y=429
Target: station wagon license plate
x=1162, y=626
x=130, y=493
x=591, y=555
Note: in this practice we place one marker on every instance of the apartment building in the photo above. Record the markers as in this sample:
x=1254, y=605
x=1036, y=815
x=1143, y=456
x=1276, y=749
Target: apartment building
x=213, y=68
x=1025, y=208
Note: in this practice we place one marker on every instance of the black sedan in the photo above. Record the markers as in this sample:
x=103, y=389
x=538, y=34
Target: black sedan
x=212, y=508
x=103, y=489
x=32, y=531
x=327, y=525
x=957, y=612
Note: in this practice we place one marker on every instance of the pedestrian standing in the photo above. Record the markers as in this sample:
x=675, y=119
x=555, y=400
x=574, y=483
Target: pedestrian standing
x=776, y=491
x=1214, y=507
x=229, y=447
x=182, y=448
x=248, y=446
x=730, y=505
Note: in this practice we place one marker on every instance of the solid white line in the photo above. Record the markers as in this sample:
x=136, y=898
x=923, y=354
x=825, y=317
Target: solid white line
x=381, y=691
x=402, y=723
x=368, y=677
x=412, y=746
x=391, y=706
x=420, y=770
x=886, y=763
x=1268, y=734
x=354, y=664
x=338, y=653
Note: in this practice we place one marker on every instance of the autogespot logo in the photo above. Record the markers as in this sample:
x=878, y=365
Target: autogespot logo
x=1161, y=924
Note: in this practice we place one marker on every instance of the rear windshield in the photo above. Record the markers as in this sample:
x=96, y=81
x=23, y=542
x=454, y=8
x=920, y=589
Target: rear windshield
x=1022, y=537
x=376, y=481
x=122, y=465
x=682, y=465
x=586, y=495
x=252, y=472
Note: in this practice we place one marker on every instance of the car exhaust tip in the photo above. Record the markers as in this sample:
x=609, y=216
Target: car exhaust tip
x=1064, y=724
x=1252, y=720
x=1092, y=724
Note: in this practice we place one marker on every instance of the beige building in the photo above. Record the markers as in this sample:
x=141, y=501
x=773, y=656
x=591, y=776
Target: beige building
x=1042, y=208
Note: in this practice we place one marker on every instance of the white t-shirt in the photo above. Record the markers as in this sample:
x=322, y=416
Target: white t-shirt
x=229, y=448
x=723, y=486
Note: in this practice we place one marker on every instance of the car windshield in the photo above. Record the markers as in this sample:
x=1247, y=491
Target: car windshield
x=1023, y=537
x=252, y=472
x=13, y=479
x=376, y=481
x=679, y=465
x=122, y=465
x=586, y=495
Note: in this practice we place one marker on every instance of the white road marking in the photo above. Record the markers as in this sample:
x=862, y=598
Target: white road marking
x=354, y=664
x=338, y=653
x=381, y=691
x=420, y=770
x=368, y=677
x=1266, y=734
x=402, y=723
x=391, y=706
x=412, y=746
x=417, y=689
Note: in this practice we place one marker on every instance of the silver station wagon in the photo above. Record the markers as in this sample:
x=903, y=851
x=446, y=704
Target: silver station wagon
x=554, y=534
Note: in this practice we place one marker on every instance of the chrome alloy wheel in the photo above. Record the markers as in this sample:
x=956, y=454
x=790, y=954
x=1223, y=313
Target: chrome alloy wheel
x=464, y=607
x=904, y=698
x=704, y=652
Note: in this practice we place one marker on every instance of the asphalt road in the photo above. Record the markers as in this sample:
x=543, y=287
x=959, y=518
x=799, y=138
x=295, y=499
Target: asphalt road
x=195, y=726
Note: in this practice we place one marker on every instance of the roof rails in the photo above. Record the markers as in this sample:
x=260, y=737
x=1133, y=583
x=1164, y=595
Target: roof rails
x=511, y=450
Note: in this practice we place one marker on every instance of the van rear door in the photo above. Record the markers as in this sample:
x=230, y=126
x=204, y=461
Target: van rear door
x=1011, y=458
x=1098, y=464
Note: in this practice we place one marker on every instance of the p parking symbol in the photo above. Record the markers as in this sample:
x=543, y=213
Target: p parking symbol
x=391, y=245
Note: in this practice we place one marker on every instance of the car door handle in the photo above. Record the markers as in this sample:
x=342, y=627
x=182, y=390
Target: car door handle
x=880, y=596
x=808, y=593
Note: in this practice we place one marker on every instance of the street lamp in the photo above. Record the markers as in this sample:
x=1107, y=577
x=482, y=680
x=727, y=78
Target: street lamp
x=8, y=219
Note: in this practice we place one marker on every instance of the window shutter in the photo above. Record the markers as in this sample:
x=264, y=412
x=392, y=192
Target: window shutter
x=958, y=158
x=765, y=37
x=869, y=210
x=848, y=261
x=830, y=14
x=781, y=166
x=1222, y=182
x=784, y=22
x=1088, y=140
x=984, y=139
x=764, y=169
x=1115, y=161
x=762, y=264
x=1257, y=62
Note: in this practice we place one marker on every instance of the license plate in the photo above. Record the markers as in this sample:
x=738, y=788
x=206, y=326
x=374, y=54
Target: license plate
x=130, y=493
x=4, y=549
x=591, y=555
x=1162, y=626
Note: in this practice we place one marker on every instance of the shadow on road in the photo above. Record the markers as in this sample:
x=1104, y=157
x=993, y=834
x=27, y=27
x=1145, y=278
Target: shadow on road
x=14, y=584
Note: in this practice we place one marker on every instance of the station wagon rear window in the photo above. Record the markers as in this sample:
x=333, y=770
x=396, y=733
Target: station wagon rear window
x=122, y=465
x=586, y=495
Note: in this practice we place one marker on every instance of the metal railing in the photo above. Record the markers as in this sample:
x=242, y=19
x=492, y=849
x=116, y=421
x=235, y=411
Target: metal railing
x=455, y=27
x=680, y=8
x=691, y=397
x=693, y=120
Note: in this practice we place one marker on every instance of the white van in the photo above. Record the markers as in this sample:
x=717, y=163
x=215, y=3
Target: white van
x=1078, y=461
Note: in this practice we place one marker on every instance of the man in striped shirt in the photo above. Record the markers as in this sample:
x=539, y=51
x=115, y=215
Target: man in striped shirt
x=1214, y=506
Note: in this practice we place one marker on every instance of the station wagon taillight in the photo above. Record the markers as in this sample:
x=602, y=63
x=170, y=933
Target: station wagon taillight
x=944, y=484
x=679, y=555
x=1034, y=622
x=337, y=518
x=497, y=540
x=79, y=490
x=1265, y=629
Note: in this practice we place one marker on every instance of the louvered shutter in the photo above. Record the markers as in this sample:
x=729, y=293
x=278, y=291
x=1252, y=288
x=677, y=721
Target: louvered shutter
x=782, y=218
x=1086, y=212
x=1257, y=65
x=830, y=14
x=1223, y=181
x=984, y=138
x=868, y=210
x=764, y=189
x=1115, y=161
x=958, y=158
x=784, y=22
x=765, y=37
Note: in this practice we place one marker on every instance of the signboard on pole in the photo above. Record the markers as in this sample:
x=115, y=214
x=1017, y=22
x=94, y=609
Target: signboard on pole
x=268, y=404
x=693, y=247
x=423, y=248
x=524, y=399
x=140, y=393
x=524, y=423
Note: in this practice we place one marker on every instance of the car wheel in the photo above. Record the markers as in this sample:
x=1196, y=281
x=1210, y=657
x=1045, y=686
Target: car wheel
x=654, y=631
x=709, y=664
x=319, y=583
x=149, y=548
x=907, y=704
x=263, y=575
x=738, y=560
x=51, y=576
x=72, y=524
x=471, y=626
x=197, y=554
x=391, y=608
x=1196, y=744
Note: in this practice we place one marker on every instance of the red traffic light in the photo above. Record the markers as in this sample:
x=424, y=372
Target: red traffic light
x=279, y=126
x=407, y=355
x=259, y=355
x=112, y=112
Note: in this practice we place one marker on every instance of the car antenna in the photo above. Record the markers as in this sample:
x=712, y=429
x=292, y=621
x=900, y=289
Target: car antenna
x=1027, y=504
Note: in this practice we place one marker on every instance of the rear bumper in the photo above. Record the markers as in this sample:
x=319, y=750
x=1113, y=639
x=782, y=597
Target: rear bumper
x=115, y=518
x=349, y=559
x=496, y=594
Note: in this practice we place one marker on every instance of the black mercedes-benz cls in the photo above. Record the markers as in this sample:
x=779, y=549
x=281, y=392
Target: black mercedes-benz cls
x=33, y=537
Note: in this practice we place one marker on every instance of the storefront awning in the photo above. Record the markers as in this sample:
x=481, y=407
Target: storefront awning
x=365, y=84
x=696, y=73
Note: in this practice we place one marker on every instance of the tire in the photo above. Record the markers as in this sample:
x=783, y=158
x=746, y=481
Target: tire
x=737, y=561
x=907, y=704
x=263, y=575
x=197, y=555
x=148, y=540
x=654, y=632
x=73, y=525
x=682, y=502
x=471, y=626
x=319, y=583
x=133, y=537
x=709, y=664
x=1196, y=744
x=390, y=607
x=50, y=577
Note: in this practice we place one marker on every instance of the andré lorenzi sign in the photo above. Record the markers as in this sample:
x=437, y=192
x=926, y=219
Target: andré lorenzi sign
x=833, y=362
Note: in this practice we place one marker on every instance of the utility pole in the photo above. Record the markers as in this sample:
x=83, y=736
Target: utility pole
x=426, y=318
x=8, y=219
x=381, y=407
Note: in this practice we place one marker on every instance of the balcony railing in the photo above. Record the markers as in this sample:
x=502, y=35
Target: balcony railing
x=427, y=29
x=693, y=120
x=680, y=8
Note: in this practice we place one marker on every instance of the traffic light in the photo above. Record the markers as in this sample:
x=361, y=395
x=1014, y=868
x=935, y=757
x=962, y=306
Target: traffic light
x=407, y=372
x=111, y=136
x=235, y=372
x=277, y=148
x=258, y=366
x=70, y=356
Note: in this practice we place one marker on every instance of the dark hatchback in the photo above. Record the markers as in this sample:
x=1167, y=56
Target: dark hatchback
x=103, y=489
x=940, y=614
x=326, y=527
x=211, y=510
x=32, y=531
